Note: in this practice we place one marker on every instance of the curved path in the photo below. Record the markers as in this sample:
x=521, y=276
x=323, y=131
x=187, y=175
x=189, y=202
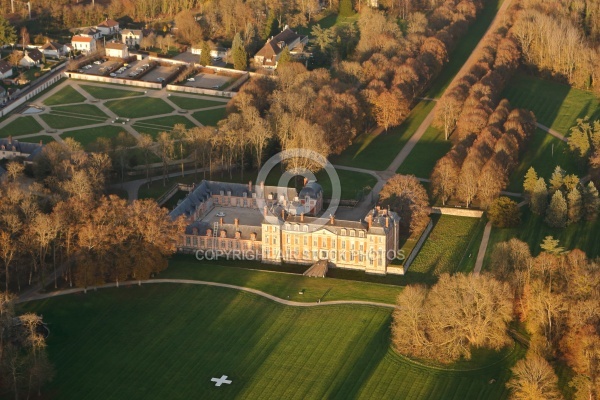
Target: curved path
x=41, y=296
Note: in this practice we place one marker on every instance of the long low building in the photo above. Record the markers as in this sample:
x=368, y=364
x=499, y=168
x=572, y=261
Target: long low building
x=226, y=220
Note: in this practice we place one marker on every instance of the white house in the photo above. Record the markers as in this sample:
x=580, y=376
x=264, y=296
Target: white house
x=91, y=32
x=108, y=27
x=116, y=50
x=268, y=56
x=6, y=70
x=31, y=58
x=85, y=44
x=54, y=50
x=132, y=37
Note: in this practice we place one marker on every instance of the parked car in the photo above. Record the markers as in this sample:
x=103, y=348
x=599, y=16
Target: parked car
x=220, y=214
x=160, y=79
x=191, y=80
x=218, y=58
x=215, y=87
x=113, y=74
x=97, y=62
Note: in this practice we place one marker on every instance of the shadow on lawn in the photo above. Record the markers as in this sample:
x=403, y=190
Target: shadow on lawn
x=364, y=366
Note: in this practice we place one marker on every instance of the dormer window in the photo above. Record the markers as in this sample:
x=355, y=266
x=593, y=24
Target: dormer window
x=361, y=234
x=305, y=228
x=343, y=232
x=352, y=234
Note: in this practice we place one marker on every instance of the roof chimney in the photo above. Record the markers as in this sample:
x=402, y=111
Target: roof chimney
x=262, y=184
x=9, y=139
x=236, y=222
x=305, y=181
x=265, y=211
x=369, y=221
x=387, y=222
x=250, y=186
x=302, y=217
x=282, y=214
x=331, y=219
x=221, y=220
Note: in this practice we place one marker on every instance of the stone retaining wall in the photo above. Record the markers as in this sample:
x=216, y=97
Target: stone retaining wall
x=459, y=212
x=118, y=81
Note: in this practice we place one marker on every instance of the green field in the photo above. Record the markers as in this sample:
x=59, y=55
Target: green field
x=104, y=93
x=533, y=230
x=66, y=95
x=66, y=121
x=544, y=152
x=87, y=136
x=168, y=341
x=447, y=245
x=555, y=105
x=190, y=103
x=138, y=107
x=430, y=148
x=376, y=152
x=36, y=139
x=210, y=117
x=82, y=110
x=21, y=126
x=154, y=126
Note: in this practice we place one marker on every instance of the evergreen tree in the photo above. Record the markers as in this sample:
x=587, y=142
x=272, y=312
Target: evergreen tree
x=7, y=32
x=551, y=245
x=556, y=215
x=539, y=197
x=205, y=54
x=285, y=57
x=238, y=53
x=531, y=178
x=575, y=206
x=591, y=202
x=557, y=179
x=346, y=9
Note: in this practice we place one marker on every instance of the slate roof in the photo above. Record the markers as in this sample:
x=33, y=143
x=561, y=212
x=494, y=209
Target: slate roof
x=272, y=47
x=52, y=46
x=230, y=230
x=34, y=54
x=4, y=66
x=31, y=149
x=89, y=31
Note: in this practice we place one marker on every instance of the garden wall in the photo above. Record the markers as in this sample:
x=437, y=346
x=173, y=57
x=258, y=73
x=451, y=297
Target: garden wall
x=106, y=79
x=417, y=248
x=33, y=92
x=459, y=212
x=210, y=92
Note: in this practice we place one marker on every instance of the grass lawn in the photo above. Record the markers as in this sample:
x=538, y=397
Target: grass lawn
x=327, y=22
x=446, y=246
x=161, y=124
x=103, y=93
x=544, y=152
x=66, y=95
x=139, y=107
x=533, y=230
x=210, y=117
x=87, y=136
x=190, y=103
x=36, y=139
x=376, y=152
x=430, y=148
x=555, y=105
x=21, y=126
x=83, y=110
x=62, y=121
x=168, y=341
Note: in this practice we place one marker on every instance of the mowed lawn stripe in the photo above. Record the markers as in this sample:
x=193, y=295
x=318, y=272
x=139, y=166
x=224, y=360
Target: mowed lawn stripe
x=103, y=93
x=87, y=110
x=21, y=126
x=139, y=107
